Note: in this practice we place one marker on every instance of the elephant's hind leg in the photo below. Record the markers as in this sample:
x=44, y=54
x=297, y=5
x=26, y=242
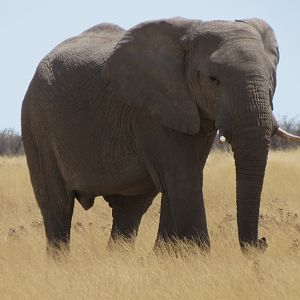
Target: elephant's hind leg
x=127, y=212
x=55, y=201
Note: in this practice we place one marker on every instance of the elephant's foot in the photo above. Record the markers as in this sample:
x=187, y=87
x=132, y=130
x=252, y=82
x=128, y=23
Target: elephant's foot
x=260, y=246
x=58, y=239
x=58, y=251
x=119, y=242
x=181, y=244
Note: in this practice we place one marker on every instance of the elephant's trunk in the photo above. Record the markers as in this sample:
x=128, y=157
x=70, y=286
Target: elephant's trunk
x=250, y=144
x=250, y=153
x=250, y=170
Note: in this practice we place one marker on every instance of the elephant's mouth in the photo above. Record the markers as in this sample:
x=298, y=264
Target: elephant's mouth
x=224, y=136
x=280, y=132
x=221, y=137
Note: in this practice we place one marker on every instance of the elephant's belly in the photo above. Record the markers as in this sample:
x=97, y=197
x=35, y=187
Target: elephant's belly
x=96, y=152
x=126, y=176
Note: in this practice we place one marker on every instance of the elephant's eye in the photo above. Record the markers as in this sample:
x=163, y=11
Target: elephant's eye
x=215, y=80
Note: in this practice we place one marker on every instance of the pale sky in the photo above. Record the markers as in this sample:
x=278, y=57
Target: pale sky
x=29, y=29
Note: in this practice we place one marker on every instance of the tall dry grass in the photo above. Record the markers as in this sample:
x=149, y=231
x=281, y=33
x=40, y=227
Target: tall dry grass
x=93, y=272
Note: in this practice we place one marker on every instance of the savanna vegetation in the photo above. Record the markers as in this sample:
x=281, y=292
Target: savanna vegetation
x=92, y=271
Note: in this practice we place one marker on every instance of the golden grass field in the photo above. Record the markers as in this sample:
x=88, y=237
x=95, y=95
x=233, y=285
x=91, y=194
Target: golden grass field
x=93, y=272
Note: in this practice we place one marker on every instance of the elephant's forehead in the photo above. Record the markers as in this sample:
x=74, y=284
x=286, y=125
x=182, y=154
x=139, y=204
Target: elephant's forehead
x=243, y=57
x=229, y=30
x=235, y=45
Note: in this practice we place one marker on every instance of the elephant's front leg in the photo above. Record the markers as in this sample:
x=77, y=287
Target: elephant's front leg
x=182, y=213
x=175, y=162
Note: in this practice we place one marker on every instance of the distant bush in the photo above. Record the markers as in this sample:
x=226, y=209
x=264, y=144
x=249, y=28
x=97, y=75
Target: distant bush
x=10, y=142
x=291, y=125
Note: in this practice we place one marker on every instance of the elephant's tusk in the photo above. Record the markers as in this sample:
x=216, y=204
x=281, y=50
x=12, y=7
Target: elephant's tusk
x=222, y=138
x=288, y=136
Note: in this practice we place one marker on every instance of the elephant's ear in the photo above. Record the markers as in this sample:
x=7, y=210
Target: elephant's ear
x=147, y=70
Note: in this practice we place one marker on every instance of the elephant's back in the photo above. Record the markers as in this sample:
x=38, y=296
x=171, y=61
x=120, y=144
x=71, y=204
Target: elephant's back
x=70, y=75
x=89, y=50
x=107, y=30
x=91, y=47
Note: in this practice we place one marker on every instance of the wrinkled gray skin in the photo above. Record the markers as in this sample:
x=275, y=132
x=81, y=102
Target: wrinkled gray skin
x=128, y=114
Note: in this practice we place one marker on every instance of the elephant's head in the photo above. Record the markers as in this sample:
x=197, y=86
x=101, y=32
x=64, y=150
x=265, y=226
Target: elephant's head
x=180, y=71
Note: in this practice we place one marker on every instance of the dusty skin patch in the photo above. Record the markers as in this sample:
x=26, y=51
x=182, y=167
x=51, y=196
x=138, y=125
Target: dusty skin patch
x=91, y=271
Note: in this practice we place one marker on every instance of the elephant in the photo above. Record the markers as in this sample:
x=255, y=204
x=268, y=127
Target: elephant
x=128, y=114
